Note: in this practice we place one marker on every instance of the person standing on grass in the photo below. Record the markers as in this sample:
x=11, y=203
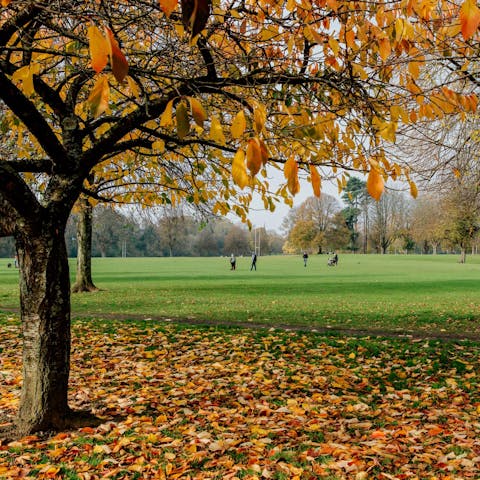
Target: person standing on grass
x=233, y=262
x=254, y=261
x=305, y=258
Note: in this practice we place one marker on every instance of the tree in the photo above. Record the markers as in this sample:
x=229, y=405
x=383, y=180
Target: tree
x=206, y=244
x=118, y=90
x=7, y=247
x=338, y=235
x=171, y=228
x=387, y=220
x=428, y=223
x=84, y=281
x=304, y=236
x=462, y=212
x=356, y=198
x=315, y=214
x=237, y=241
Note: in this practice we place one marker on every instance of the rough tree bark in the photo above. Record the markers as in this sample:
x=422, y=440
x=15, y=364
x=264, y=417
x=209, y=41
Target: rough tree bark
x=84, y=281
x=45, y=313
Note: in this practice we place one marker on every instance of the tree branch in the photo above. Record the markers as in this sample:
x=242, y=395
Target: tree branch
x=26, y=111
x=15, y=194
x=31, y=165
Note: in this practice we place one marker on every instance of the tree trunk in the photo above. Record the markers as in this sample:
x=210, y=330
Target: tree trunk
x=463, y=255
x=45, y=314
x=83, y=281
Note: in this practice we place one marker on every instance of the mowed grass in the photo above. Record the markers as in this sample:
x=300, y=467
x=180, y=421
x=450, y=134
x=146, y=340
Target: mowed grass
x=392, y=292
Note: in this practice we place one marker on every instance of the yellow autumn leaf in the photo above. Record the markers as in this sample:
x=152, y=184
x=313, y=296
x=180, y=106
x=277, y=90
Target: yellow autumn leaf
x=350, y=38
x=413, y=190
x=183, y=122
x=239, y=170
x=375, y=184
x=158, y=146
x=469, y=18
x=259, y=117
x=216, y=131
x=359, y=70
x=24, y=75
x=254, y=155
x=384, y=48
x=316, y=181
x=133, y=87
x=239, y=125
x=167, y=116
x=267, y=34
x=334, y=45
x=198, y=112
x=387, y=131
x=414, y=69
x=99, y=48
x=168, y=6
x=290, y=171
x=99, y=96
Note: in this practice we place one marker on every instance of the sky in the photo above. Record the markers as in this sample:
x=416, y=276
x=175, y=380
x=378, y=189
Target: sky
x=273, y=220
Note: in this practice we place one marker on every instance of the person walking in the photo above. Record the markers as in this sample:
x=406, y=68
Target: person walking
x=305, y=258
x=254, y=261
x=233, y=262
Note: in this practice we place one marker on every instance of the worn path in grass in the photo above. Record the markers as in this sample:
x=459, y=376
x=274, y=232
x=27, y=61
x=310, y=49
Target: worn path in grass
x=209, y=403
x=337, y=330
x=418, y=295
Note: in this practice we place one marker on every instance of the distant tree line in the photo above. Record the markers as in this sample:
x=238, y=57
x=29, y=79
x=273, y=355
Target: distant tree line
x=167, y=233
x=442, y=221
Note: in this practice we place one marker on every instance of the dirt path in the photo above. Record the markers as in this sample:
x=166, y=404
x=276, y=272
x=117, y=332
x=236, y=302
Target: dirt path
x=337, y=330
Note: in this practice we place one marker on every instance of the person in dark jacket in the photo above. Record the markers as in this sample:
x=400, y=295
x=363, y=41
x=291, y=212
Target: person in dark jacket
x=254, y=261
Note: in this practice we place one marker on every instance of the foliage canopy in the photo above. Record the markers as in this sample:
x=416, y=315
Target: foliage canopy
x=120, y=88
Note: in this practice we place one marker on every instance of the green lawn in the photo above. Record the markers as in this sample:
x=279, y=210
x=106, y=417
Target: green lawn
x=432, y=293
x=183, y=401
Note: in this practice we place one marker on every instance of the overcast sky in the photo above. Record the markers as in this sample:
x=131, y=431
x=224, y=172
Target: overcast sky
x=273, y=220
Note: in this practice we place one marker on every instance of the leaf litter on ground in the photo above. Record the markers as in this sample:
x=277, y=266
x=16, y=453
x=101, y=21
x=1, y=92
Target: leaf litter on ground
x=210, y=403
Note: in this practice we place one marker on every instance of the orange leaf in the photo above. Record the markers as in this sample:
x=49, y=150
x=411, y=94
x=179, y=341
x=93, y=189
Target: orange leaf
x=166, y=118
x=377, y=434
x=384, y=48
x=263, y=152
x=436, y=430
x=168, y=6
x=413, y=190
x=469, y=18
x=99, y=48
x=117, y=58
x=316, y=181
x=99, y=96
x=375, y=184
x=254, y=155
x=291, y=174
x=198, y=112
x=5, y=3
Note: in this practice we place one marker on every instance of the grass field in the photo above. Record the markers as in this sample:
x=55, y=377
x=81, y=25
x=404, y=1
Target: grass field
x=428, y=293
x=221, y=403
